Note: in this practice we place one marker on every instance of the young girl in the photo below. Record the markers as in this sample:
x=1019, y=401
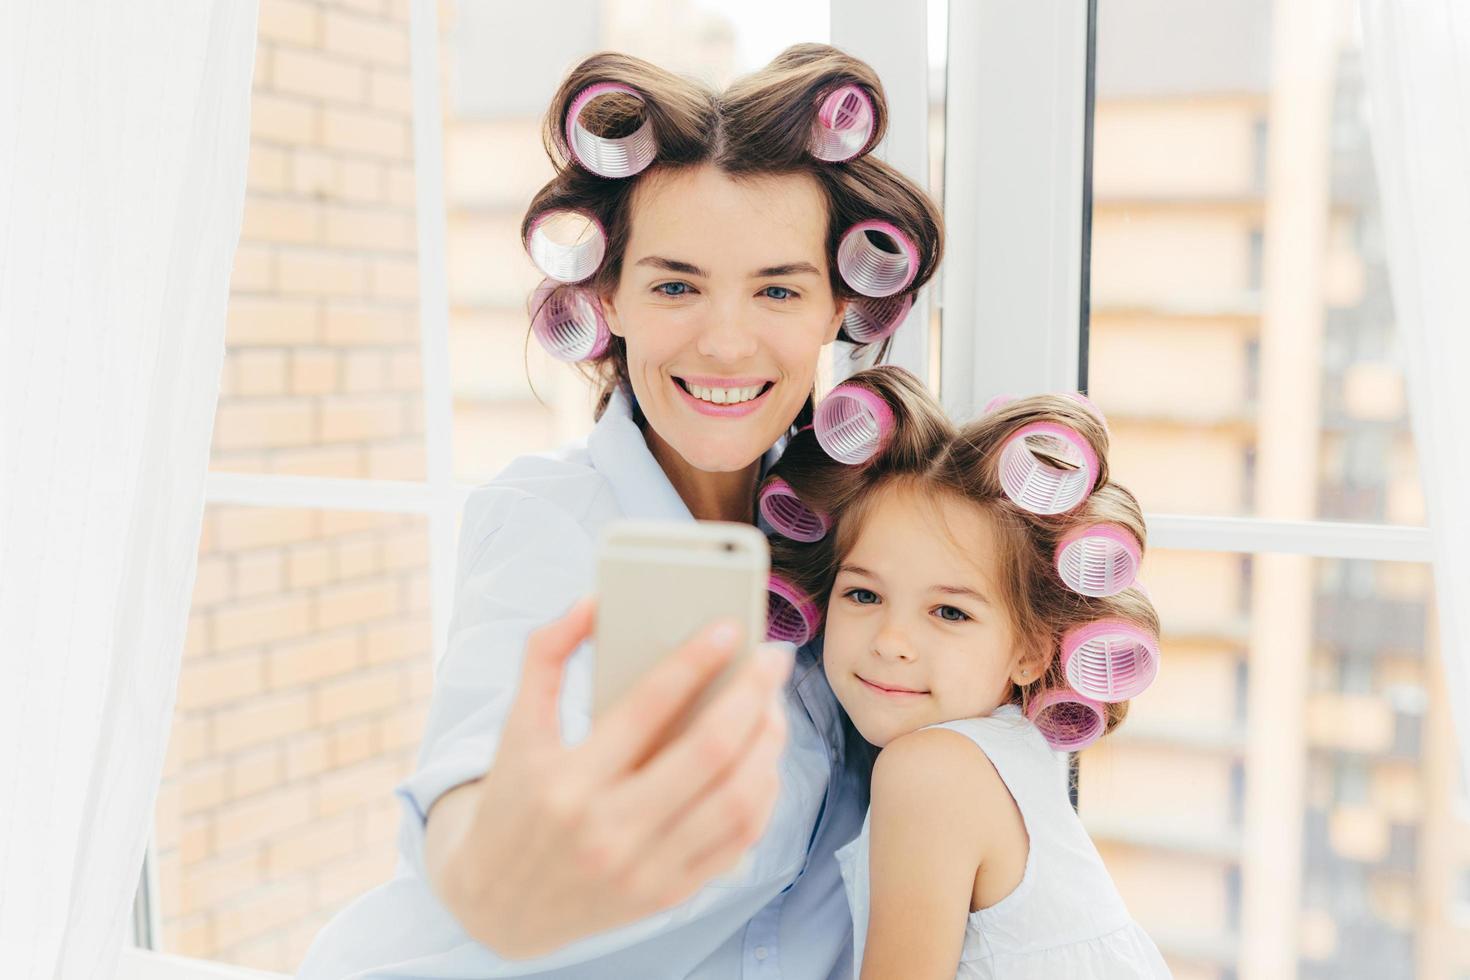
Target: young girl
x=978, y=617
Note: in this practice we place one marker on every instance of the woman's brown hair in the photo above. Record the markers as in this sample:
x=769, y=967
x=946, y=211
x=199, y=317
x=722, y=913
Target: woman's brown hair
x=927, y=452
x=759, y=125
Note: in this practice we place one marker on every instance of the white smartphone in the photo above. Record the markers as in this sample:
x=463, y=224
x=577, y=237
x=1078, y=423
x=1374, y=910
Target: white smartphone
x=661, y=582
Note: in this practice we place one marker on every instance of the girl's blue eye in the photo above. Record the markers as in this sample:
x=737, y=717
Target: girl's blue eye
x=683, y=287
x=957, y=612
x=789, y=294
x=853, y=595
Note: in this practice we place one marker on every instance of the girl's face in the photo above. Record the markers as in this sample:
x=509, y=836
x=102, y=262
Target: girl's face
x=916, y=630
x=725, y=305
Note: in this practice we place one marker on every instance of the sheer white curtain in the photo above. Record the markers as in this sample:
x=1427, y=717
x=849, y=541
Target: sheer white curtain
x=1418, y=75
x=124, y=129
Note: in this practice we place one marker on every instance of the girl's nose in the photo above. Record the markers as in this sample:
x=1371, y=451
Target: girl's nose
x=725, y=338
x=892, y=643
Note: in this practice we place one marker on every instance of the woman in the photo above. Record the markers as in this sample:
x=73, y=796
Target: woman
x=533, y=843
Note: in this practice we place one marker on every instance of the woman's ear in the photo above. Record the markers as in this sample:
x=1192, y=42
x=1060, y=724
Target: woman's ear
x=610, y=314
x=834, y=327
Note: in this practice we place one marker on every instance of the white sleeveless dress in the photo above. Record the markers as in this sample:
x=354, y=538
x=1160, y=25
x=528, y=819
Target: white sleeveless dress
x=1065, y=918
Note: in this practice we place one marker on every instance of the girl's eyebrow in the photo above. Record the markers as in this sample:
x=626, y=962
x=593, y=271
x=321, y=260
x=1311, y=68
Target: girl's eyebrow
x=690, y=269
x=945, y=589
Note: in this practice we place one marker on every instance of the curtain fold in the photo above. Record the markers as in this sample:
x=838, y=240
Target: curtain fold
x=124, y=134
x=1417, y=68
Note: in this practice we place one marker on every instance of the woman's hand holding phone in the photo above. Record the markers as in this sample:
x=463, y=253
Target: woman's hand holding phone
x=555, y=843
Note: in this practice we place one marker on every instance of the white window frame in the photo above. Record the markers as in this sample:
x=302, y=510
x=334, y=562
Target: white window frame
x=1016, y=70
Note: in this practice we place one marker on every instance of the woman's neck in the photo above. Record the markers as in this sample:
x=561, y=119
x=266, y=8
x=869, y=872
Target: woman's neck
x=709, y=496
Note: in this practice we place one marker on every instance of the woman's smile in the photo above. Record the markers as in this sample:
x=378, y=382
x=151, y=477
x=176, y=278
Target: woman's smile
x=723, y=397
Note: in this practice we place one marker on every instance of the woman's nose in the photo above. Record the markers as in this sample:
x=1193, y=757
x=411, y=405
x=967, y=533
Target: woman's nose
x=725, y=337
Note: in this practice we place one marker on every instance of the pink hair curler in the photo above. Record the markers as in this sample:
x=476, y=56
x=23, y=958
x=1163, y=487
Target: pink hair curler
x=566, y=245
x=621, y=156
x=874, y=271
x=996, y=402
x=790, y=615
x=870, y=319
x=787, y=513
x=1098, y=559
x=1110, y=659
x=1069, y=721
x=568, y=322
x=844, y=125
x=1043, y=487
x=852, y=424
x=1091, y=406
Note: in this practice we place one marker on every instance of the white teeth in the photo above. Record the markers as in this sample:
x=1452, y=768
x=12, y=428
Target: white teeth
x=725, y=396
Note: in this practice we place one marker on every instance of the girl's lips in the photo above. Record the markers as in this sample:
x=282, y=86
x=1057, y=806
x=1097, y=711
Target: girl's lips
x=722, y=411
x=888, y=692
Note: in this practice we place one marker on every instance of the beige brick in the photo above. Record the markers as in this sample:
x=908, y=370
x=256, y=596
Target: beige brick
x=206, y=885
x=358, y=695
x=254, y=269
x=380, y=821
x=310, y=565
x=402, y=188
x=264, y=719
x=403, y=461
x=259, y=373
x=201, y=787
x=166, y=806
x=282, y=119
x=369, y=133
x=351, y=324
x=260, y=80
x=399, y=640
x=346, y=419
x=212, y=578
x=259, y=573
x=362, y=181
x=362, y=229
x=198, y=638
x=315, y=76
x=306, y=755
x=345, y=789
x=263, y=424
x=196, y=842
x=406, y=548
x=301, y=663
x=345, y=462
x=320, y=842
x=320, y=272
x=194, y=937
x=240, y=461
x=359, y=558
x=405, y=371
x=278, y=220
x=420, y=685
x=219, y=680
x=419, y=592
x=266, y=169
x=367, y=40
x=402, y=729
x=313, y=173
x=337, y=522
x=253, y=772
x=261, y=912
x=352, y=742
x=364, y=371
x=357, y=603
x=296, y=21
x=413, y=413
x=314, y=372
x=395, y=279
x=269, y=321
x=190, y=739
x=261, y=817
x=398, y=10
x=391, y=91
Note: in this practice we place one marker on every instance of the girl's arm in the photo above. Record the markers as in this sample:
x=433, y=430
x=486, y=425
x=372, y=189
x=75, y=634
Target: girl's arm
x=933, y=792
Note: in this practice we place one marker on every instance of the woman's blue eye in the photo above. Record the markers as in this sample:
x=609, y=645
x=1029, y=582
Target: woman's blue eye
x=789, y=293
x=682, y=286
x=853, y=595
x=957, y=612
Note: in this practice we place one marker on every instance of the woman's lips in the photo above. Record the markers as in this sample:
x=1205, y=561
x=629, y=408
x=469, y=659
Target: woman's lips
x=722, y=411
x=888, y=692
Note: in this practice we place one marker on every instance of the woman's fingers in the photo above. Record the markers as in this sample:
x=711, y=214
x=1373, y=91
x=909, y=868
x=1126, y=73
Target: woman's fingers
x=533, y=714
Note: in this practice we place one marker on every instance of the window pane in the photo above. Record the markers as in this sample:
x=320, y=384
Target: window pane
x=322, y=374
x=502, y=65
x=1332, y=667
x=1238, y=269
x=301, y=703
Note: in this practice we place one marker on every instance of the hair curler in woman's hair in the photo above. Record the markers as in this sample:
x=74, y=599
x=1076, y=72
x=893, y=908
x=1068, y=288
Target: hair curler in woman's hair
x=870, y=319
x=788, y=514
x=566, y=245
x=1098, y=559
x=568, y=322
x=1040, y=485
x=852, y=424
x=872, y=270
x=1069, y=721
x=844, y=125
x=615, y=156
x=996, y=402
x=790, y=614
x=1110, y=659
x=1091, y=407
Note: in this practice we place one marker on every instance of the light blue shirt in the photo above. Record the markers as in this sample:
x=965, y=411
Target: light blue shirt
x=526, y=553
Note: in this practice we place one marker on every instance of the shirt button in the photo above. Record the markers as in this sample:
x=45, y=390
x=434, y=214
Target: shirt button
x=760, y=952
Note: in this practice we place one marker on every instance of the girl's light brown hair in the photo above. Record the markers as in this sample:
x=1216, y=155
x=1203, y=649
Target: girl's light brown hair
x=758, y=126
x=929, y=453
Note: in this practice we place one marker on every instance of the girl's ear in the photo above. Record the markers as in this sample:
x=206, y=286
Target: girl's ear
x=1028, y=666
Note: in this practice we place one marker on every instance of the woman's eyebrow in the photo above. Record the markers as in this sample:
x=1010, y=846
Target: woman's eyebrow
x=690, y=269
x=789, y=269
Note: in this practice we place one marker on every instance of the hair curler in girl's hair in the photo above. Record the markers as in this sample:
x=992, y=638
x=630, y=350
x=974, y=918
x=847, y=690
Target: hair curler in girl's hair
x=786, y=512
x=1038, y=484
x=1098, y=559
x=844, y=125
x=617, y=156
x=790, y=615
x=852, y=424
x=874, y=271
x=1110, y=659
x=1068, y=720
x=870, y=319
x=566, y=245
x=568, y=322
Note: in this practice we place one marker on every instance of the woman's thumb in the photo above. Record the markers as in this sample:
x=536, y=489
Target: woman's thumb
x=547, y=651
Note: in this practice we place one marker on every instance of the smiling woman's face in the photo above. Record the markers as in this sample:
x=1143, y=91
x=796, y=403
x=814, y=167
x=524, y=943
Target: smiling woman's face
x=725, y=305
